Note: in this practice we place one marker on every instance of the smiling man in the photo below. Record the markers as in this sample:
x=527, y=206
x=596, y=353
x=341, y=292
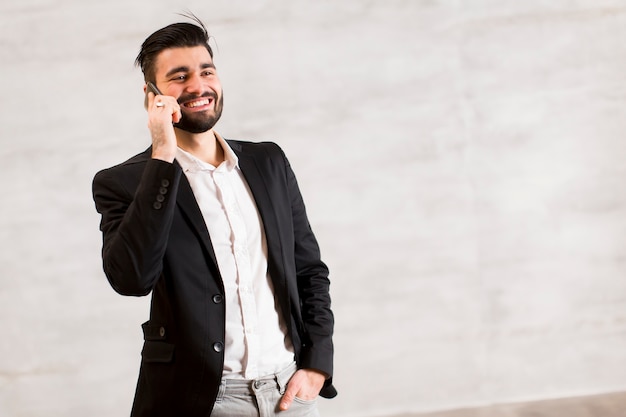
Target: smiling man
x=216, y=231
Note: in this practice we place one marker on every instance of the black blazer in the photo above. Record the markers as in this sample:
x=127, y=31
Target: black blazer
x=155, y=240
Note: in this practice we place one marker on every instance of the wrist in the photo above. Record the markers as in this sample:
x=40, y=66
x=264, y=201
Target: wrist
x=167, y=156
x=317, y=374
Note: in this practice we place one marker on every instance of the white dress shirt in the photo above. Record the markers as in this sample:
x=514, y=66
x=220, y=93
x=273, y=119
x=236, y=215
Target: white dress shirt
x=256, y=337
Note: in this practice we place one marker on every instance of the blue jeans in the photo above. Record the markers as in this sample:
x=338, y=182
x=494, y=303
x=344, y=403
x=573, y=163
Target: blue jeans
x=260, y=398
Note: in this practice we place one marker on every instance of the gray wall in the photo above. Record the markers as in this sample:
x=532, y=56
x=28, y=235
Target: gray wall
x=462, y=161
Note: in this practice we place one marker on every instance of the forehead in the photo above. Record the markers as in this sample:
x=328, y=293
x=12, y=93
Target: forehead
x=194, y=57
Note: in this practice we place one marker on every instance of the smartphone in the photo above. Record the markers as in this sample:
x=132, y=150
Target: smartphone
x=150, y=87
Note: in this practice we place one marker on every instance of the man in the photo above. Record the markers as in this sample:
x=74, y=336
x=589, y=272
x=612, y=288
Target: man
x=240, y=319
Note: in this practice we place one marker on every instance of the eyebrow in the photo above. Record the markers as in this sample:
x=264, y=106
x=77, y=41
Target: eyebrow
x=186, y=69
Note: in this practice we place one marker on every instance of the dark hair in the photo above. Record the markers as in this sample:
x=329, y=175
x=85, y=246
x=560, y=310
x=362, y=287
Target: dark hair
x=176, y=35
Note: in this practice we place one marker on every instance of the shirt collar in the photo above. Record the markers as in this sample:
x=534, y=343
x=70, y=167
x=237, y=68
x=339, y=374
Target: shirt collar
x=190, y=163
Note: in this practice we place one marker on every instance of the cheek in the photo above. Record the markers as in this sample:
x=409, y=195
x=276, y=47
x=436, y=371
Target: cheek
x=177, y=91
x=216, y=85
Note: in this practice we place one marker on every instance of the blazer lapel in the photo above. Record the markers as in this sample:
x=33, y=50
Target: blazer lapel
x=191, y=212
x=266, y=209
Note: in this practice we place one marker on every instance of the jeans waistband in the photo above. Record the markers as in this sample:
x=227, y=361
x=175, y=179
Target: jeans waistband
x=280, y=378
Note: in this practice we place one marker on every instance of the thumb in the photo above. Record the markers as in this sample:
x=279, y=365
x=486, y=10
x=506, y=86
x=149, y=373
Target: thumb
x=287, y=399
x=289, y=395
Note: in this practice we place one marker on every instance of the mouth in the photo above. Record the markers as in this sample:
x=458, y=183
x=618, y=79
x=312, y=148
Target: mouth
x=199, y=104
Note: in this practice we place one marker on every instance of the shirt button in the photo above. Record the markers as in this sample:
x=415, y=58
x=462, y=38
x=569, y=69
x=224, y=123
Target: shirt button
x=217, y=298
x=218, y=346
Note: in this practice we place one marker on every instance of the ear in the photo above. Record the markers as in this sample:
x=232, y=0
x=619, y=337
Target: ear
x=145, y=94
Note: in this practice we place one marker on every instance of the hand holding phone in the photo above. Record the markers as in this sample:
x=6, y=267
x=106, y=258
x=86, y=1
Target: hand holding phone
x=150, y=87
x=161, y=118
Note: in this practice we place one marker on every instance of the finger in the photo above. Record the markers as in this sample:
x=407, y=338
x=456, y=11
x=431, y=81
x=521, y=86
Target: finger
x=162, y=105
x=287, y=399
x=156, y=101
x=177, y=115
x=293, y=387
x=159, y=102
x=166, y=103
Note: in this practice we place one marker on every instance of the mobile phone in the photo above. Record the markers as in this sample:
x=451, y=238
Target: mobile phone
x=150, y=87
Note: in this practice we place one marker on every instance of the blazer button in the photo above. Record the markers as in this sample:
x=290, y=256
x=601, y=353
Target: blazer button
x=218, y=347
x=218, y=298
x=162, y=332
x=157, y=205
x=163, y=190
x=160, y=198
x=165, y=183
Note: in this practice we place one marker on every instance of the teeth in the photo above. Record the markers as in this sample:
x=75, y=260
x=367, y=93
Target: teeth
x=197, y=103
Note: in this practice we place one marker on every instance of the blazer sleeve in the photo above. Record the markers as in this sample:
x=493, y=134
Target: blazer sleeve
x=313, y=286
x=137, y=209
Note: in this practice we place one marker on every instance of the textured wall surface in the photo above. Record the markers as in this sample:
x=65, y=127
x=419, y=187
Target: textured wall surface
x=462, y=163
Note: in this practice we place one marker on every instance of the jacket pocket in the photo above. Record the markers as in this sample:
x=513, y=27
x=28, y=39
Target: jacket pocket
x=157, y=352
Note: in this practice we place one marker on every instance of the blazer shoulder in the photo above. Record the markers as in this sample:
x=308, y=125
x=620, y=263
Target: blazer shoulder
x=125, y=175
x=131, y=163
x=257, y=149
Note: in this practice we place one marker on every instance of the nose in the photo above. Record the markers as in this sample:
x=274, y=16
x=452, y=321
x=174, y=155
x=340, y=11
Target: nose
x=194, y=85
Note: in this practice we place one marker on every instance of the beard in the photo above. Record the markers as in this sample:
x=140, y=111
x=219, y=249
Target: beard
x=200, y=122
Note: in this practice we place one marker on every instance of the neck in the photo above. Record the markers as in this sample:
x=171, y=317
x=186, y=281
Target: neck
x=203, y=146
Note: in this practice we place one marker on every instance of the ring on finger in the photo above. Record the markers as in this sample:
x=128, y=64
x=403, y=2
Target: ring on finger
x=160, y=104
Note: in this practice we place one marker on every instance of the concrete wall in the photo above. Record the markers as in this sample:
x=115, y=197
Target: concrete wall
x=462, y=161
